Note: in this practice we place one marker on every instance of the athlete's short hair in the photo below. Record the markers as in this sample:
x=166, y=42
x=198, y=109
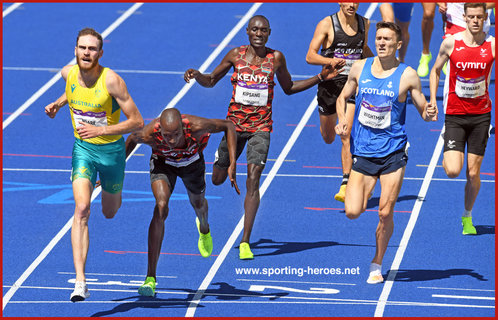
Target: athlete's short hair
x=474, y=5
x=390, y=25
x=92, y=32
x=259, y=16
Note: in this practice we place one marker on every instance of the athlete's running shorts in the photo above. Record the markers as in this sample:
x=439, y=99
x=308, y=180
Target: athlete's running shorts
x=108, y=160
x=258, y=144
x=470, y=130
x=327, y=94
x=403, y=11
x=193, y=175
x=379, y=166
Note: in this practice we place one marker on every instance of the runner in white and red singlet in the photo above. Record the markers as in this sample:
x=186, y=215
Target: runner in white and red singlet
x=471, y=55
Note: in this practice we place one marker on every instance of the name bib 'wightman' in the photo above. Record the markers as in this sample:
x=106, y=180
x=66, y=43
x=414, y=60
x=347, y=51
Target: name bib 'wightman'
x=375, y=117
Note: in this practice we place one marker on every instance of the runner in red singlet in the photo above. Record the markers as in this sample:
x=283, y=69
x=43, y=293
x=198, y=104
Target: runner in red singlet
x=250, y=108
x=471, y=55
x=177, y=143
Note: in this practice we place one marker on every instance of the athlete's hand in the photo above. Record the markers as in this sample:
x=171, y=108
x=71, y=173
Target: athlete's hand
x=341, y=128
x=332, y=69
x=190, y=74
x=232, y=175
x=431, y=111
x=87, y=131
x=51, y=110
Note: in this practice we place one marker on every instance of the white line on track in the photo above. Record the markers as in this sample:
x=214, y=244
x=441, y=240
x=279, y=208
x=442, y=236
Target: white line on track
x=58, y=76
x=11, y=8
x=462, y=297
x=464, y=289
x=266, y=183
x=388, y=284
x=67, y=226
x=117, y=275
x=244, y=174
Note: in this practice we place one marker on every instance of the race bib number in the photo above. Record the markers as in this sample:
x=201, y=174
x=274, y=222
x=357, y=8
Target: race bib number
x=98, y=119
x=251, y=94
x=350, y=59
x=375, y=117
x=470, y=88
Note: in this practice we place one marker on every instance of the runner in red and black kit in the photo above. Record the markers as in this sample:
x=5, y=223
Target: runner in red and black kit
x=177, y=143
x=471, y=55
x=343, y=35
x=250, y=108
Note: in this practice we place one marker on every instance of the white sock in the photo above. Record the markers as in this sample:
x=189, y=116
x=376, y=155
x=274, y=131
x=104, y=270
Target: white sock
x=374, y=267
x=467, y=213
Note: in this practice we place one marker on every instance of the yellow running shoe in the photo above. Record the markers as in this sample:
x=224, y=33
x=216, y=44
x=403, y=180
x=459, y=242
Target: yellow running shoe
x=468, y=227
x=341, y=195
x=245, y=251
x=445, y=68
x=423, y=67
x=205, y=243
x=148, y=289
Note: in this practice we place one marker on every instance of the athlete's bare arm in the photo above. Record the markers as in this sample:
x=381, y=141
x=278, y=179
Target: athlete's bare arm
x=444, y=54
x=202, y=126
x=54, y=107
x=323, y=37
x=411, y=82
x=367, y=52
x=345, y=115
x=143, y=136
x=209, y=80
x=290, y=87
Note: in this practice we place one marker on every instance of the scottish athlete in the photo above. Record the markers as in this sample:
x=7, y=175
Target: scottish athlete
x=343, y=35
x=471, y=55
x=177, y=143
x=250, y=108
x=378, y=138
x=96, y=97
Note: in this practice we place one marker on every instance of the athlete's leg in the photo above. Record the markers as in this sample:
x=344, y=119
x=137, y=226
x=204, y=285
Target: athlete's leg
x=251, y=202
x=111, y=202
x=390, y=187
x=427, y=25
x=357, y=192
x=327, y=127
x=453, y=163
x=82, y=191
x=387, y=12
x=200, y=205
x=405, y=38
x=162, y=194
x=473, y=179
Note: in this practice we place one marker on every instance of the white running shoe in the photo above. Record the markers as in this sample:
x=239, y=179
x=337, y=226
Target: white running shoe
x=80, y=292
x=375, y=277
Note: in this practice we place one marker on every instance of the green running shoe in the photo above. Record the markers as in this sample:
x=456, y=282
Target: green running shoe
x=148, y=289
x=468, y=228
x=245, y=251
x=205, y=243
x=423, y=66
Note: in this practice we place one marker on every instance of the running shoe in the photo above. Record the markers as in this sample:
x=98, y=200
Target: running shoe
x=341, y=195
x=205, y=243
x=468, y=228
x=245, y=251
x=445, y=68
x=375, y=277
x=148, y=289
x=423, y=67
x=80, y=292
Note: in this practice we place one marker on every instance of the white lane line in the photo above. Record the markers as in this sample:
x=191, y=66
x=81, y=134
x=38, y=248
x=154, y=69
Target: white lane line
x=56, y=77
x=439, y=288
x=96, y=191
x=11, y=8
x=462, y=297
x=116, y=275
x=236, y=232
x=244, y=174
x=388, y=284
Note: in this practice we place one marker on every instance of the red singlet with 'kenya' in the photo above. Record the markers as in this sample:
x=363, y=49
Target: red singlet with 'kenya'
x=250, y=106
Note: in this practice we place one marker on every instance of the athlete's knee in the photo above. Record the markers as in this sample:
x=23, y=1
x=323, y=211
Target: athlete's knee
x=385, y=215
x=109, y=212
x=82, y=211
x=328, y=138
x=161, y=210
x=353, y=211
x=219, y=176
x=474, y=175
x=451, y=172
x=198, y=203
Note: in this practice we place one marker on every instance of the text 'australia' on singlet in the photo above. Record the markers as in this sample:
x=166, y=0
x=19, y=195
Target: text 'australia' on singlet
x=349, y=48
x=379, y=122
x=250, y=108
x=468, y=77
x=92, y=105
x=179, y=157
